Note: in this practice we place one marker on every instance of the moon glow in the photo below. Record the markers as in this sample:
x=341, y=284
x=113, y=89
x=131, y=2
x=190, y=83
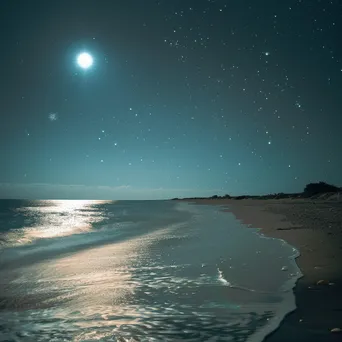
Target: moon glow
x=85, y=60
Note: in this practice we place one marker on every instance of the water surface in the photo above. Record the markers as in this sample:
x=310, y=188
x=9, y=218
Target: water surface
x=138, y=271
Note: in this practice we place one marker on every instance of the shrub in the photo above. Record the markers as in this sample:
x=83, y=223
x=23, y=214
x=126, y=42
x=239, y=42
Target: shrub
x=319, y=188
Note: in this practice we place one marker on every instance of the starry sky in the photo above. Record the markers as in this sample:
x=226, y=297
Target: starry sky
x=184, y=97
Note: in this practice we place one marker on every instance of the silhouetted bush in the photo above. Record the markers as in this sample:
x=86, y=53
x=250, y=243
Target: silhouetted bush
x=240, y=197
x=319, y=188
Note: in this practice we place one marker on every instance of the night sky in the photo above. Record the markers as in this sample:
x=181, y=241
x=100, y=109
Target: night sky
x=184, y=97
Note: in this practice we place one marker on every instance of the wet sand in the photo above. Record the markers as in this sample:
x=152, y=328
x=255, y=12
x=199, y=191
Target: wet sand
x=314, y=227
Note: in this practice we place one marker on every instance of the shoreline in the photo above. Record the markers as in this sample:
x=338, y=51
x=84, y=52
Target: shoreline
x=314, y=228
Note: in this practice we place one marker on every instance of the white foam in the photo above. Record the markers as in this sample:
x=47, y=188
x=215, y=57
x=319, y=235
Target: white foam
x=222, y=279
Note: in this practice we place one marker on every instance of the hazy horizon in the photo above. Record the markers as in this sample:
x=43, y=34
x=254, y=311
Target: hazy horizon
x=81, y=192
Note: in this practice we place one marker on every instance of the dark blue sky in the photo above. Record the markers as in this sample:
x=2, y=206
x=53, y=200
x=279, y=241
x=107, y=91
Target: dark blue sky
x=184, y=98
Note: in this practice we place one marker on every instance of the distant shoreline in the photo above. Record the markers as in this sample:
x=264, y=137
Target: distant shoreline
x=336, y=195
x=314, y=227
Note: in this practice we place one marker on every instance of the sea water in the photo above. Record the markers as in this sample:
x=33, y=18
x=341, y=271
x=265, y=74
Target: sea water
x=138, y=271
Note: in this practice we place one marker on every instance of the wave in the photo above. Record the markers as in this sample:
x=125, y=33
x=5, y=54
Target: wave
x=222, y=279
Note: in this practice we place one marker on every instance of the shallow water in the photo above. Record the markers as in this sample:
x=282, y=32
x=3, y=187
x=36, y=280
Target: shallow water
x=138, y=271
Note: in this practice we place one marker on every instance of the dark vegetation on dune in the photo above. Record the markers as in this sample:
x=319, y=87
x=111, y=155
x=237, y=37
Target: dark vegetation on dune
x=311, y=190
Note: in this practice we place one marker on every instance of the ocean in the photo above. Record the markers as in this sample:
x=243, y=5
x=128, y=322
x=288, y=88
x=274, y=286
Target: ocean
x=138, y=271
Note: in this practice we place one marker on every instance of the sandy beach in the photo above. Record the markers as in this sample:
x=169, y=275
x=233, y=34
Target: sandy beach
x=314, y=227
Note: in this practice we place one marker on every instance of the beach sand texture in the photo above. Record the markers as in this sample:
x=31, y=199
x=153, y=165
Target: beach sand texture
x=314, y=227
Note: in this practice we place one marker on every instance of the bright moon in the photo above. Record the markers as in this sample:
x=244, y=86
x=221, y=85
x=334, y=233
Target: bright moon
x=84, y=60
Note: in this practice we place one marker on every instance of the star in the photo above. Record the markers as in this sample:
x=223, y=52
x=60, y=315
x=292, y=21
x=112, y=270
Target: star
x=53, y=116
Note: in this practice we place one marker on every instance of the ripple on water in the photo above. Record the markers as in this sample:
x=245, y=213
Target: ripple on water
x=167, y=285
